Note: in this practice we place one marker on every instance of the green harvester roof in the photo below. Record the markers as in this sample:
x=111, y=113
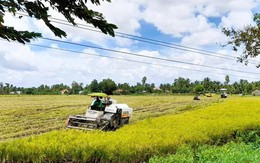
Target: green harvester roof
x=97, y=94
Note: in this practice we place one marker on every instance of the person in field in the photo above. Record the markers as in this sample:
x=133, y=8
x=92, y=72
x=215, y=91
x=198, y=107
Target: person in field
x=96, y=104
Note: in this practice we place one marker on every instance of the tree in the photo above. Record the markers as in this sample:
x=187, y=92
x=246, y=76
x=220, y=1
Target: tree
x=181, y=85
x=108, y=86
x=43, y=89
x=256, y=85
x=144, y=80
x=149, y=87
x=216, y=86
x=56, y=88
x=226, y=80
x=138, y=88
x=76, y=87
x=198, y=89
x=207, y=84
x=30, y=91
x=165, y=87
x=125, y=88
x=242, y=85
x=94, y=86
x=38, y=9
x=248, y=38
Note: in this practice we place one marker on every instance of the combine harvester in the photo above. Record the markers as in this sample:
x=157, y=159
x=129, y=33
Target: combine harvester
x=103, y=114
x=223, y=93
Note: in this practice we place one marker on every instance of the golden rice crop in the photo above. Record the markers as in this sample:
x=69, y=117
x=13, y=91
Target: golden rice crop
x=27, y=115
x=141, y=140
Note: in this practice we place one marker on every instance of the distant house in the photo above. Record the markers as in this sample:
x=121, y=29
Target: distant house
x=157, y=89
x=120, y=91
x=64, y=91
x=256, y=93
x=223, y=89
x=16, y=93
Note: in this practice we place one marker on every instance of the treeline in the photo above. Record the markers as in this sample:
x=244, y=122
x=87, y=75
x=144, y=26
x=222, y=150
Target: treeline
x=180, y=85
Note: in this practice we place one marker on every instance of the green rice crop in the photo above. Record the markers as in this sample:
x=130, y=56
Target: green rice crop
x=245, y=148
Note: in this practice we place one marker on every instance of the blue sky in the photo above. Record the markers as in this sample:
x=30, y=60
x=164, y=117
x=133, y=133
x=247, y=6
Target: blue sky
x=183, y=23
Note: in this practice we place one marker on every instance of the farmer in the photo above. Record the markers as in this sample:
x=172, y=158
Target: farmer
x=96, y=104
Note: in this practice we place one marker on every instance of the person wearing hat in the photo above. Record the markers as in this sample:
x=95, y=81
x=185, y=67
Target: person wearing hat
x=96, y=104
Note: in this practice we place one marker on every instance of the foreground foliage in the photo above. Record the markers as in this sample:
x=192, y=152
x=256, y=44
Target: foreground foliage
x=141, y=140
x=247, y=39
x=40, y=10
x=245, y=148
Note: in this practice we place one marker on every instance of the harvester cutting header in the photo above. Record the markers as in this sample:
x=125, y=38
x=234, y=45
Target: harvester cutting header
x=103, y=114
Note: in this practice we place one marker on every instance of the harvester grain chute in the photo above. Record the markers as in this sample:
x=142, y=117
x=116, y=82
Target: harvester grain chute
x=103, y=114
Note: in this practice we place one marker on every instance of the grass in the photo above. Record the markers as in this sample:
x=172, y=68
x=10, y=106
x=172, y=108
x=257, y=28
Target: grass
x=245, y=148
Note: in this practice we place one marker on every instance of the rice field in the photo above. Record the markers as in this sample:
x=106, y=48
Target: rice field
x=28, y=115
x=161, y=125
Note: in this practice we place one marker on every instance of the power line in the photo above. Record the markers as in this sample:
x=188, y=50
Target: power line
x=129, y=60
x=155, y=42
x=150, y=41
x=150, y=57
x=170, y=60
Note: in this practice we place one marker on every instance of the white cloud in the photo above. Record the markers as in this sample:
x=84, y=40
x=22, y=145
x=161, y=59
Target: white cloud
x=212, y=36
x=176, y=18
x=125, y=14
x=218, y=8
x=173, y=19
x=60, y=67
x=16, y=57
x=188, y=20
x=237, y=19
x=19, y=24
